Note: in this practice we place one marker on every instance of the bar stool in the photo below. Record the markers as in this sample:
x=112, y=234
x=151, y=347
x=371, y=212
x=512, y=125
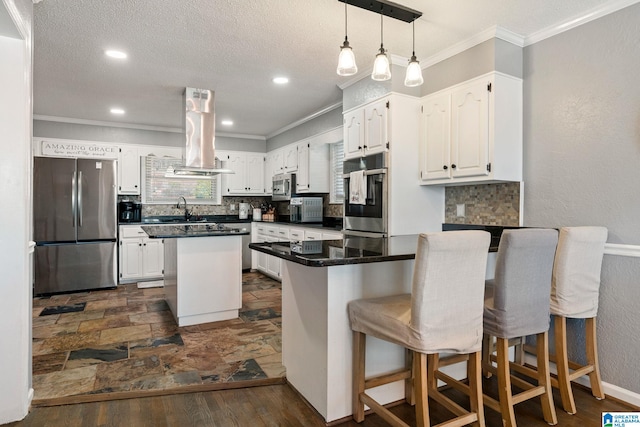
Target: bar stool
x=443, y=313
x=517, y=305
x=574, y=294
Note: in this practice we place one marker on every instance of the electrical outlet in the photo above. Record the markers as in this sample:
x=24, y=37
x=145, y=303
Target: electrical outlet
x=460, y=210
x=232, y=207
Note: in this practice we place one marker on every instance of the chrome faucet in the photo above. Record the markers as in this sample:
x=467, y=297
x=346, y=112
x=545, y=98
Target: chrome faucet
x=187, y=214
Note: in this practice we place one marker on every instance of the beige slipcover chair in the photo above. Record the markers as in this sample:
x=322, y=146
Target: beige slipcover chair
x=517, y=305
x=574, y=294
x=443, y=313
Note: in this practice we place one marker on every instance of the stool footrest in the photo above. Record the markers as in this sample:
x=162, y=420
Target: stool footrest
x=383, y=412
x=387, y=378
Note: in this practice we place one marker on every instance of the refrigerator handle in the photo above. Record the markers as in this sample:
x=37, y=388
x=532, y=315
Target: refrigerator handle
x=74, y=202
x=80, y=199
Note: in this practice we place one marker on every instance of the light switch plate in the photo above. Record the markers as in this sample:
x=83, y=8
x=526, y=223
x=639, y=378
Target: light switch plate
x=460, y=210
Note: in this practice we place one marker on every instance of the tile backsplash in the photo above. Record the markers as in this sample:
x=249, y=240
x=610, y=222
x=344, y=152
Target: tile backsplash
x=486, y=204
x=225, y=208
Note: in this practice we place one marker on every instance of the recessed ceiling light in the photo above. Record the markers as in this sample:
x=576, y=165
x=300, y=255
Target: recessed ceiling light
x=280, y=80
x=118, y=111
x=227, y=122
x=118, y=54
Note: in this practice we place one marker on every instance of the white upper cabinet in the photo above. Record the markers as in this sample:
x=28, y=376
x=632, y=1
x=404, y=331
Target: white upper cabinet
x=249, y=175
x=365, y=129
x=472, y=132
x=290, y=161
x=313, y=167
x=128, y=170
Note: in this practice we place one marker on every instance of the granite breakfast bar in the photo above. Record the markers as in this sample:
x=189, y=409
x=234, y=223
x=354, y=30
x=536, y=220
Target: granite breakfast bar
x=318, y=281
x=202, y=271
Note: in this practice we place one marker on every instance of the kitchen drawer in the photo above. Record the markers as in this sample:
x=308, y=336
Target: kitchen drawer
x=312, y=235
x=283, y=233
x=296, y=234
x=131, y=231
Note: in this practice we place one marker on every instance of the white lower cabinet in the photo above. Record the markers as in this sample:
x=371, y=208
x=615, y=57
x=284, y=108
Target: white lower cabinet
x=261, y=232
x=140, y=258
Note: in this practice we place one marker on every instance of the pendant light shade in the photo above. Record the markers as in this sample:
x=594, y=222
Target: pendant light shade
x=347, y=60
x=414, y=72
x=381, y=68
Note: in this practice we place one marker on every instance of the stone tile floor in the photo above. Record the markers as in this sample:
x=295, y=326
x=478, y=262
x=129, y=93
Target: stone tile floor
x=126, y=339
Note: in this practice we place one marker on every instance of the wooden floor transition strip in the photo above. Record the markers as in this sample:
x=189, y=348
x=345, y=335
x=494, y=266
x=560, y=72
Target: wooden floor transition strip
x=135, y=394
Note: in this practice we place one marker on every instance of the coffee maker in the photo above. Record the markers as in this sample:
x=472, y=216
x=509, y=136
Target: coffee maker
x=129, y=211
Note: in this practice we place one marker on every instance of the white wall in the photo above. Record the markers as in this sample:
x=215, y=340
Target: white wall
x=15, y=172
x=582, y=164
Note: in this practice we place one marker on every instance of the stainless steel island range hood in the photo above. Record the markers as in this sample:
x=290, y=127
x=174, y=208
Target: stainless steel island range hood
x=199, y=126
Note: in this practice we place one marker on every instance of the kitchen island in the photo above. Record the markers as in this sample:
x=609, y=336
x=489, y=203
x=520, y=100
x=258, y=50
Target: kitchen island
x=319, y=278
x=202, y=271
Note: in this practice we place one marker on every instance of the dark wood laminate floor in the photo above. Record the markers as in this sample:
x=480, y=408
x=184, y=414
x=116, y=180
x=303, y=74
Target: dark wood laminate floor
x=277, y=405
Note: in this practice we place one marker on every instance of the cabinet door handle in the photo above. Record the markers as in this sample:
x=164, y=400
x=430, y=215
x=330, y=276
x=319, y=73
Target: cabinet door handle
x=359, y=147
x=453, y=166
x=364, y=146
x=445, y=167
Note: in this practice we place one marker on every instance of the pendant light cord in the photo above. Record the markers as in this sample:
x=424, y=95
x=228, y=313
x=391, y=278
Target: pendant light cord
x=345, y=20
x=414, y=38
x=381, y=28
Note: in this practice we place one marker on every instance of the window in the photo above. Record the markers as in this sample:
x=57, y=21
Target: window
x=336, y=196
x=160, y=190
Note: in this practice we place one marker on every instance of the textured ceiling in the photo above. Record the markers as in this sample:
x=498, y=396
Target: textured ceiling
x=235, y=47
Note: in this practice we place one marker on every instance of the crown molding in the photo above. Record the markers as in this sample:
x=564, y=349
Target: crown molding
x=305, y=119
x=595, y=13
x=104, y=123
x=488, y=34
x=241, y=136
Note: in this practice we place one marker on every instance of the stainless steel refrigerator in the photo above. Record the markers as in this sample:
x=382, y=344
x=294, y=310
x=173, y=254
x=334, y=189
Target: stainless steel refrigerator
x=75, y=225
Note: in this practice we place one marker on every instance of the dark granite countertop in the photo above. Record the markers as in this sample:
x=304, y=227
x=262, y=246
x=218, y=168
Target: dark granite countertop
x=193, y=230
x=350, y=250
x=495, y=230
x=328, y=223
x=179, y=219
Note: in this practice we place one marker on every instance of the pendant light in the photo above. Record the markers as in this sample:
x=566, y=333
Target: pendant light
x=381, y=69
x=414, y=72
x=347, y=60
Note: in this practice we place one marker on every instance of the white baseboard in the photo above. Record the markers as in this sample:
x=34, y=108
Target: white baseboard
x=609, y=389
x=151, y=284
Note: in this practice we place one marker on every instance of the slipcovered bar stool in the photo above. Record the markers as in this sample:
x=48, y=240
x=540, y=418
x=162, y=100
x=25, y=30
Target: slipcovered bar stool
x=443, y=313
x=517, y=305
x=574, y=294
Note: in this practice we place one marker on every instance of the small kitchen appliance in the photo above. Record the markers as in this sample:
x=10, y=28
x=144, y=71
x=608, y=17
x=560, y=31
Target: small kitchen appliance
x=243, y=210
x=283, y=185
x=305, y=209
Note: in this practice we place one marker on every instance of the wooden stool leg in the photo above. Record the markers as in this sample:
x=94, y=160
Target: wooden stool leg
x=487, y=342
x=504, y=383
x=433, y=360
x=562, y=364
x=592, y=358
x=474, y=369
x=359, y=340
x=409, y=393
x=544, y=379
x=422, y=395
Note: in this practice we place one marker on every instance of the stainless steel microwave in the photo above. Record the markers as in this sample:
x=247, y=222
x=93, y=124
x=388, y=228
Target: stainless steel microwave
x=283, y=184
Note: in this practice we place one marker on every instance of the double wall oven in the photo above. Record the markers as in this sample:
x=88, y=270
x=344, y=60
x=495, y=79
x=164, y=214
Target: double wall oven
x=368, y=219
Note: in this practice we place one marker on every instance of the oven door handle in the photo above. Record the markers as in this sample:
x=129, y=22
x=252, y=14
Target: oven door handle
x=374, y=172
